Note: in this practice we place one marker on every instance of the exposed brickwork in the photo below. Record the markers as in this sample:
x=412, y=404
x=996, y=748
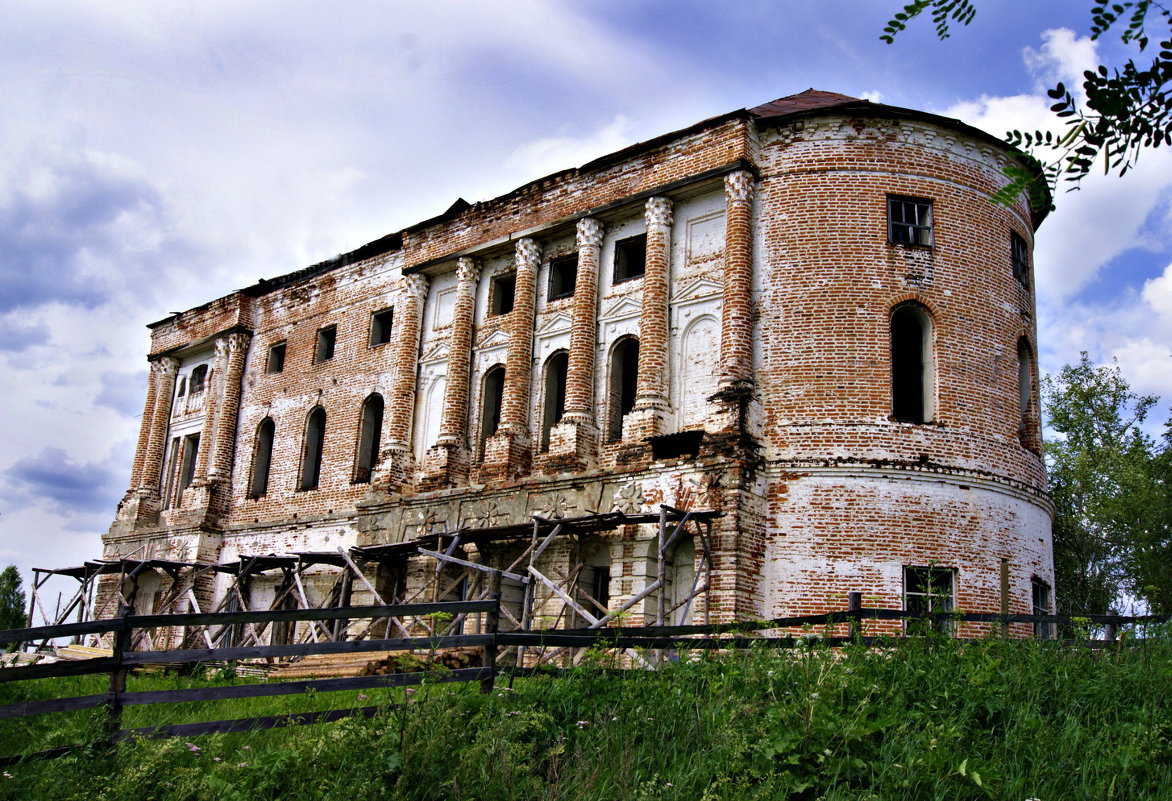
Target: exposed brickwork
x=763, y=317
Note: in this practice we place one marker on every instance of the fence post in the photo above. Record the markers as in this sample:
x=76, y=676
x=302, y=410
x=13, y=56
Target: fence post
x=854, y=602
x=118, y=673
x=492, y=620
x=1112, y=631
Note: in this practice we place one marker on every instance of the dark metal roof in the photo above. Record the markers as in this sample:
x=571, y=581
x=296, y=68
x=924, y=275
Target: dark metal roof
x=809, y=100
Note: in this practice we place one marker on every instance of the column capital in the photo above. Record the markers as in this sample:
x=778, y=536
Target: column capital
x=528, y=252
x=658, y=212
x=164, y=365
x=416, y=285
x=589, y=233
x=738, y=186
x=467, y=270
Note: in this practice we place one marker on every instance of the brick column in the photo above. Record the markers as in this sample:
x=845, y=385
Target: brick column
x=144, y=430
x=651, y=401
x=573, y=442
x=508, y=452
x=228, y=389
x=447, y=460
x=163, y=372
x=736, y=323
x=395, y=466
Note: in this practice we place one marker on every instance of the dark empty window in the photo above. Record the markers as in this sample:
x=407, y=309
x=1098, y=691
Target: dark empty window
x=1025, y=378
x=563, y=276
x=928, y=591
x=1040, y=605
x=368, y=439
x=630, y=258
x=199, y=377
x=490, y=408
x=504, y=288
x=315, y=437
x=380, y=327
x=190, y=453
x=1020, y=255
x=276, y=362
x=262, y=458
x=181, y=390
x=326, y=337
x=911, y=364
x=624, y=373
x=909, y=220
x=556, y=370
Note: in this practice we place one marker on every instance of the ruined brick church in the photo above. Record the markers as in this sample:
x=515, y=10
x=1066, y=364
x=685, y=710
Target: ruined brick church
x=738, y=370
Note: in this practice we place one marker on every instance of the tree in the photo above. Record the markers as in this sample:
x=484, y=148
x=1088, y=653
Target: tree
x=12, y=601
x=1111, y=497
x=1127, y=109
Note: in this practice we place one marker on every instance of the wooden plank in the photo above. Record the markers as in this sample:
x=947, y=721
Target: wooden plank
x=474, y=565
x=79, y=668
x=49, y=705
x=566, y=599
x=300, y=649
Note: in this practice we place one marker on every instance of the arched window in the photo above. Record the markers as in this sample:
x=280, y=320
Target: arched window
x=369, y=434
x=911, y=364
x=315, y=437
x=262, y=458
x=624, y=371
x=198, y=377
x=1025, y=378
x=491, y=399
x=556, y=369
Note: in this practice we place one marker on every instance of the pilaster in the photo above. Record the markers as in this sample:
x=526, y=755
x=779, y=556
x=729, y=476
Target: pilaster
x=397, y=464
x=651, y=400
x=447, y=459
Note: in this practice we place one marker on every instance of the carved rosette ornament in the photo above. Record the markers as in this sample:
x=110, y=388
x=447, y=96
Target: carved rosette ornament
x=738, y=187
x=658, y=213
x=589, y=233
x=629, y=500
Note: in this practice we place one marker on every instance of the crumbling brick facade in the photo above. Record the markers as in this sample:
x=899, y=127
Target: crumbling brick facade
x=730, y=339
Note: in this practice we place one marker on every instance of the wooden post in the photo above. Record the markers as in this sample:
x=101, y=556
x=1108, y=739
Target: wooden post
x=854, y=602
x=1005, y=598
x=1112, y=631
x=117, y=684
x=492, y=621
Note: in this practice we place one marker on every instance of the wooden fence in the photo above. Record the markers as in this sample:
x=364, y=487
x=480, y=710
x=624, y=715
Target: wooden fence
x=650, y=640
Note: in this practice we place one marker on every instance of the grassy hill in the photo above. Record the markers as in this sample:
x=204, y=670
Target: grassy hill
x=925, y=719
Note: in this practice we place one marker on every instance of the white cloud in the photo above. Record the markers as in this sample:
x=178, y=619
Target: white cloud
x=1063, y=57
x=552, y=153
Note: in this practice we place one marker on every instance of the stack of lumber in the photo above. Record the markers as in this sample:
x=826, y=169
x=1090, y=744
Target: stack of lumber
x=72, y=653
x=452, y=659
x=328, y=666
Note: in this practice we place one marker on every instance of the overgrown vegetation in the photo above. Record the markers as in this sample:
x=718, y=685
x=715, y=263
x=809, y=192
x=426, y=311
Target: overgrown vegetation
x=925, y=719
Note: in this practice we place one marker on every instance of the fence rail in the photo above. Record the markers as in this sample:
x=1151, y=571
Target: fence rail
x=651, y=638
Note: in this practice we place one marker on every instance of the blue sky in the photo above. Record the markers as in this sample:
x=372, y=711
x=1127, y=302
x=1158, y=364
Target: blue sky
x=154, y=156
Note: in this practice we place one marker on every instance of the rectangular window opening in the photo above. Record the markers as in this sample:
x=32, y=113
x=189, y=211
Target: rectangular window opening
x=503, y=288
x=563, y=276
x=276, y=362
x=929, y=591
x=326, y=337
x=630, y=258
x=909, y=221
x=1020, y=255
x=380, y=327
x=187, y=469
x=1040, y=605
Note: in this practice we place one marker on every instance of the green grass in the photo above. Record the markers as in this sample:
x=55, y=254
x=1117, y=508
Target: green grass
x=931, y=719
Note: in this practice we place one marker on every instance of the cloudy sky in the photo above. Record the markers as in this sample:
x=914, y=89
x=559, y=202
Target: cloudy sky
x=154, y=156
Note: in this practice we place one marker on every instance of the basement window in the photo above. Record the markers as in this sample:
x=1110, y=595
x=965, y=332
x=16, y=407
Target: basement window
x=928, y=591
x=380, y=327
x=502, y=293
x=630, y=258
x=563, y=276
x=326, y=337
x=276, y=361
x=909, y=221
x=1020, y=256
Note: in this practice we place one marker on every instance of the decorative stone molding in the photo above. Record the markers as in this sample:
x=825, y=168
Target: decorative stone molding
x=467, y=270
x=417, y=284
x=589, y=233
